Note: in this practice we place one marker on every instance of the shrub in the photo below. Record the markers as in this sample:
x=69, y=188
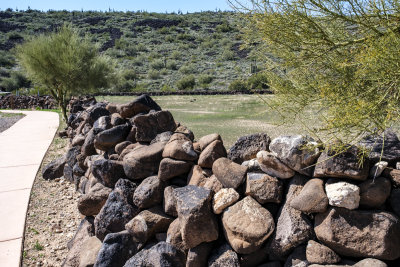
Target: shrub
x=153, y=74
x=228, y=55
x=176, y=55
x=157, y=64
x=205, y=79
x=258, y=81
x=187, y=69
x=172, y=65
x=238, y=85
x=167, y=88
x=224, y=27
x=187, y=82
x=130, y=74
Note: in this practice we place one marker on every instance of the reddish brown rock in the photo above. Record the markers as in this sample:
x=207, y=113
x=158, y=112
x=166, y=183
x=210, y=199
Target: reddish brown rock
x=180, y=147
x=318, y=253
x=357, y=233
x=211, y=153
x=208, y=139
x=229, y=173
x=147, y=223
x=170, y=168
x=247, y=225
x=264, y=188
x=312, y=197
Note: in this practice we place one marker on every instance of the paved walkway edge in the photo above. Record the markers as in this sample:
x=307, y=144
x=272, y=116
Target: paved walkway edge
x=23, y=147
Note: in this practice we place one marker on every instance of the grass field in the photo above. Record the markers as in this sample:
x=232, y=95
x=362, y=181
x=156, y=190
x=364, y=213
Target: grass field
x=231, y=116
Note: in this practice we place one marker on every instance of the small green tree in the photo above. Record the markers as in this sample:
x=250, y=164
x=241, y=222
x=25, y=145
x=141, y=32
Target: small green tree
x=65, y=64
x=339, y=59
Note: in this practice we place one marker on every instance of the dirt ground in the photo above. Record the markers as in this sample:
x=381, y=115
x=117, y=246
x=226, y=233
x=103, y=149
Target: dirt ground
x=52, y=217
x=8, y=119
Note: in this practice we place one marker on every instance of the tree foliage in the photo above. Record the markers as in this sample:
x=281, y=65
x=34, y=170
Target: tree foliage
x=65, y=64
x=339, y=59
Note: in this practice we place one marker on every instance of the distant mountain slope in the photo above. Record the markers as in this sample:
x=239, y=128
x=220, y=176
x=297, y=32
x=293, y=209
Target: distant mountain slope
x=154, y=51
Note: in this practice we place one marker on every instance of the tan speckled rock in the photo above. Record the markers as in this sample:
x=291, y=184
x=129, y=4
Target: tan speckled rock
x=223, y=199
x=247, y=225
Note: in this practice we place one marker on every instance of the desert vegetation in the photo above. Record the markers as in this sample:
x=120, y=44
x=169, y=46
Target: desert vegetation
x=164, y=52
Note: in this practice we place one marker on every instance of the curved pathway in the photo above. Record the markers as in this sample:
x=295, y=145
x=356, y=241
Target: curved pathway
x=22, y=148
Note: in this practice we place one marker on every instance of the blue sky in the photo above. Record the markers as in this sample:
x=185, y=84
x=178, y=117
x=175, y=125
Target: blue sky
x=120, y=5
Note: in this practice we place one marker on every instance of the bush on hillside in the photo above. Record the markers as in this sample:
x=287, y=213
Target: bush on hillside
x=187, y=82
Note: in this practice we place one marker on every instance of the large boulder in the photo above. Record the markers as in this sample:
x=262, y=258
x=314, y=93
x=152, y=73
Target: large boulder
x=142, y=104
x=388, y=143
x=149, y=125
x=91, y=203
x=264, y=188
x=297, y=152
x=94, y=112
x=312, y=197
x=247, y=147
x=103, y=123
x=211, y=153
x=198, y=223
x=180, y=147
x=147, y=223
x=271, y=165
x=162, y=254
x=117, y=211
x=54, y=169
x=149, y=193
x=107, y=139
x=143, y=161
x=108, y=171
x=116, y=249
x=229, y=173
x=356, y=233
x=342, y=165
x=247, y=225
x=292, y=227
x=170, y=168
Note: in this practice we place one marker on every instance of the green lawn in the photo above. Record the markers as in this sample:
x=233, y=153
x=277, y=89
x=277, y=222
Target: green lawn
x=231, y=116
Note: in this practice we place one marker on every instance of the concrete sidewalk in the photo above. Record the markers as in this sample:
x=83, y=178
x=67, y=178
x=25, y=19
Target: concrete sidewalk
x=22, y=148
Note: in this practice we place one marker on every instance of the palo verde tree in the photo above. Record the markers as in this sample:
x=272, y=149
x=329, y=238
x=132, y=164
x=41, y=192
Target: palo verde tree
x=65, y=64
x=340, y=59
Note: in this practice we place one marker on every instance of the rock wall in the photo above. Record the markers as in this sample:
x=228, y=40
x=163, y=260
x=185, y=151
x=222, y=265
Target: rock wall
x=153, y=195
x=27, y=102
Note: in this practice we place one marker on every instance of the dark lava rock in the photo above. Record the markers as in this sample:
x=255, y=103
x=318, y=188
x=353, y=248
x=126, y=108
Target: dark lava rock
x=197, y=221
x=143, y=161
x=142, y=104
x=390, y=143
x=343, y=165
x=117, y=248
x=149, y=193
x=117, y=211
x=108, y=171
x=54, y=169
x=95, y=112
x=162, y=254
x=107, y=139
x=247, y=147
x=149, y=125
